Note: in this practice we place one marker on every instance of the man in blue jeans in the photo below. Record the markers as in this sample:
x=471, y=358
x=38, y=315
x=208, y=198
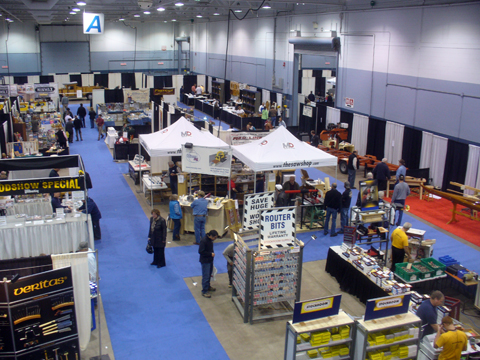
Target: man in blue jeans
x=333, y=203
x=346, y=200
x=206, y=259
x=199, y=207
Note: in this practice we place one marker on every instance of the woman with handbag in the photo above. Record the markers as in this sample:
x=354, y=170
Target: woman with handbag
x=176, y=215
x=157, y=237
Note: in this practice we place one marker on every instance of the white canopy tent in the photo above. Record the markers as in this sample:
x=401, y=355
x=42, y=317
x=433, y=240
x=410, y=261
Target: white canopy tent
x=169, y=141
x=281, y=150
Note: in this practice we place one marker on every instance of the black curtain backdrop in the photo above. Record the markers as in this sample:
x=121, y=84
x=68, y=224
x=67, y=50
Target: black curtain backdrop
x=226, y=89
x=113, y=96
x=101, y=80
x=376, y=138
x=321, y=116
x=128, y=80
x=165, y=115
x=300, y=75
x=45, y=79
x=412, y=148
x=77, y=78
x=307, y=123
x=20, y=80
x=160, y=82
x=190, y=80
x=174, y=117
x=455, y=165
x=155, y=98
x=347, y=117
x=319, y=83
x=25, y=266
x=3, y=118
x=156, y=117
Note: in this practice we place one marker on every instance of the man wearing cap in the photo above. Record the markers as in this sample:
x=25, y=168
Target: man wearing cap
x=400, y=193
x=402, y=170
x=95, y=214
x=199, y=208
x=92, y=264
x=400, y=244
x=333, y=203
x=346, y=200
x=291, y=185
x=282, y=198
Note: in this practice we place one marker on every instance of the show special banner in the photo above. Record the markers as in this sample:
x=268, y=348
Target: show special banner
x=207, y=160
x=316, y=309
x=277, y=227
x=46, y=90
x=252, y=205
x=387, y=306
x=40, y=186
x=239, y=138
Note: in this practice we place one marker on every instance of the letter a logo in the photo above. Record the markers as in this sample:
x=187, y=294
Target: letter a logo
x=93, y=23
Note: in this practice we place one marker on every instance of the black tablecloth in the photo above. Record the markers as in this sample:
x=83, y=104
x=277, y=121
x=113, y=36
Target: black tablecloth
x=240, y=122
x=351, y=280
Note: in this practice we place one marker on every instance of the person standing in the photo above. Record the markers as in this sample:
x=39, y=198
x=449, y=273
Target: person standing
x=81, y=113
x=261, y=107
x=200, y=209
x=346, y=200
x=232, y=187
x=352, y=167
x=100, y=123
x=400, y=193
x=206, y=259
x=311, y=96
x=176, y=215
x=281, y=122
x=69, y=128
x=427, y=312
x=67, y=116
x=54, y=173
x=77, y=123
x=452, y=340
x=173, y=174
x=65, y=102
x=264, y=114
x=92, y=263
x=182, y=92
x=157, y=236
x=333, y=203
x=92, y=115
x=95, y=214
x=194, y=88
x=57, y=202
x=400, y=245
x=282, y=197
x=315, y=140
x=402, y=170
x=198, y=90
x=382, y=174
x=228, y=254
x=291, y=184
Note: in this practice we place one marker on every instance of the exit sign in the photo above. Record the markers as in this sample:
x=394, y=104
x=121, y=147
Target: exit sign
x=123, y=64
x=4, y=67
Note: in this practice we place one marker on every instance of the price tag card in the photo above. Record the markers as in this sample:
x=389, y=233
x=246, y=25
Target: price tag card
x=60, y=211
x=295, y=249
x=3, y=220
x=78, y=195
x=38, y=222
x=18, y=224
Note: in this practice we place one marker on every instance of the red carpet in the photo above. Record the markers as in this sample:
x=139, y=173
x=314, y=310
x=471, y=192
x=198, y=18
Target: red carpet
x=438, y=212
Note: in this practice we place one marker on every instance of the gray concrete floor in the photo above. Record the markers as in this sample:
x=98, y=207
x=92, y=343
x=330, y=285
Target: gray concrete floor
x=265, y=340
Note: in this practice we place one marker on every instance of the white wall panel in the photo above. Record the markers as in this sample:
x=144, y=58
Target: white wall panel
x=21, y=39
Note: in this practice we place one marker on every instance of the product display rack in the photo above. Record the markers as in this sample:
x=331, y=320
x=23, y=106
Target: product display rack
x=251, y=101
x=298, y=338
x=216, y=185
x=392, y=333
x=218, y=91
x=266, y=283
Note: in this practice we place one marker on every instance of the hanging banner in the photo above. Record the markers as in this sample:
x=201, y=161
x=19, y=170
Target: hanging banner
x=4, y=91
x=386, y=306
x=139, y=96
x=40, y=186
x=316, y=309
x=25, y=89
x=239, y=138
x=46, y=90
x=13, y=90
x=277, y=228
x=93, y=23
x=207, y=160
x=169, y=91
x=252, y=205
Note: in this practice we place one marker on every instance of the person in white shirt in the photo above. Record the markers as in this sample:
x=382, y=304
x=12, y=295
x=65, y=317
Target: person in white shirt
x=92, y=263
x=260, y=109
x=282, y=123
x=199, y=90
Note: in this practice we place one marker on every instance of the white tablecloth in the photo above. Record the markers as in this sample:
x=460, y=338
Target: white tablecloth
x=49, y=238
x=33, y=208
x=110, y=140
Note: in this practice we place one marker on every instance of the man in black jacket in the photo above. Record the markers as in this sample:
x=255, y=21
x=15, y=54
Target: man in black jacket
x=77, y=124
x=352, y=167
x=346, y=200
x=206, y=259
x=282, y=198
x=81, y=113
x=333, y=203
x=315, y=139
x=69, y=129
x=381, y=172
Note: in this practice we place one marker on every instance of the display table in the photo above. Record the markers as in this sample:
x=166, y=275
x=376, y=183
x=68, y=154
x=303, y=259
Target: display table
x=350, y=279
x=20, y=239
x=151, y=185
x=134, y=169
x=111, y=137
x=411, y=181
x=41, y=208
x=215, y=219
x=240, y=122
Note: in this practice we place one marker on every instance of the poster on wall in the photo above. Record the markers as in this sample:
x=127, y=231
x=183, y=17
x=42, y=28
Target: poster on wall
x=46, y=90
x=277, y=228
x=239, y=137
x=252, y=205
x=369, y=195
x=4, y=91
x=139, y=96
x=307, y=111
x=349, y=102
x=25, y=89
x=207, y=160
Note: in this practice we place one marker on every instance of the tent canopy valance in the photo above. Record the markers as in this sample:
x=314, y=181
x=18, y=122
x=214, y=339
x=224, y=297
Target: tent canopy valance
x=169, y=141
x=281, y=150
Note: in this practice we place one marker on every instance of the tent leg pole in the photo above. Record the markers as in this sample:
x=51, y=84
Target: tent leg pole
x=254, y=182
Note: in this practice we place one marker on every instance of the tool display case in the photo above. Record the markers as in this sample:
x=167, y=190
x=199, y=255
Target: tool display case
x=396, y=336
x=331, y=337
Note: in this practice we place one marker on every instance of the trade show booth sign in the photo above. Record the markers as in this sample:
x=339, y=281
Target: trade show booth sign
x=207, y=160
x=277, y=228
x=317, y=308
x=252, y=205
x=239, y=138
x=386, y=306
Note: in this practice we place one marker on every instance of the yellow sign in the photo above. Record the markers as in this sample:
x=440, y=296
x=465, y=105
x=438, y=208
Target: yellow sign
x=388, y=303
x=39, y=286
x=317, y=305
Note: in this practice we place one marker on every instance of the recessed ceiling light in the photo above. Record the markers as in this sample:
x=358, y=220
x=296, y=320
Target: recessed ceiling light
x=267, y=6
x=216, y=14
x=9, y=20
x=72, y=12
x=81, y=3
x=122, y=19
x=199, y=16
x=238, y=10
x=136, y=15
x=76, y=9
x=160, y=9
x=146, y=12
x=179, y=4
x=164, y=21
x=174, y=19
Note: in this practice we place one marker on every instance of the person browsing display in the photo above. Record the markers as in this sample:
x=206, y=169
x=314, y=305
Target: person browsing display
x=157, y=236
x=452, y=340
x=200, y=209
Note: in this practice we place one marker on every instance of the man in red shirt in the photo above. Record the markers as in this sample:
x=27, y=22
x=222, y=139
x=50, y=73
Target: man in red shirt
x=232, y=187
x=100, y=123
